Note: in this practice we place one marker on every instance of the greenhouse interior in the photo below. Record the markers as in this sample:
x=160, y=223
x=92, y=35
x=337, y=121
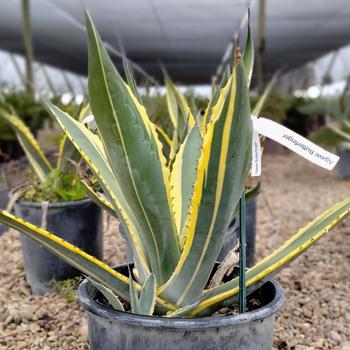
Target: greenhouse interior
x=175, y=175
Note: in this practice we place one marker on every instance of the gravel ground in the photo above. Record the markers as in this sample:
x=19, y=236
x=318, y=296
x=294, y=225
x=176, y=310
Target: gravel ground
x=316, y=314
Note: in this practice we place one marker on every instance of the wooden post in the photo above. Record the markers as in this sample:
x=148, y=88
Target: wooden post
x=261, y=48
x=28, y=45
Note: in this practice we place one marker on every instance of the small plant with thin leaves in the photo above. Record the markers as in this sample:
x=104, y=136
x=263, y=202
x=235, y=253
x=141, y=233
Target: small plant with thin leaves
x=67, y=288
x=59, y=182
x=176, y=213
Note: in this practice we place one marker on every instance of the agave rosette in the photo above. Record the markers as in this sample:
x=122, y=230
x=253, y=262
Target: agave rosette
x=176, y=213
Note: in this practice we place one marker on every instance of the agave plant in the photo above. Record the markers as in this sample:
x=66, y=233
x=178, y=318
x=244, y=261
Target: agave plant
x=51, y=182
x=175, y=215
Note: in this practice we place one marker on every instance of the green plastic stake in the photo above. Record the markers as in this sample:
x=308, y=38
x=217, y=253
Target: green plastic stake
x=242, y=255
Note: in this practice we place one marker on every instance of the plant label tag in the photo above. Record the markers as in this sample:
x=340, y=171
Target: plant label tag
x=291, y=140
x=88, y=119
x=256, y=152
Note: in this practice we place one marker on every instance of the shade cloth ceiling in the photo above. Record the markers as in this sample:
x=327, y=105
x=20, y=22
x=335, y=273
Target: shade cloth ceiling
x=188, y=36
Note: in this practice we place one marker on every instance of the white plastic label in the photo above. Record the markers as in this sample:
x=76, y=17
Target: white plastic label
x=256, y=152
x=291, y=140
x=88, y=119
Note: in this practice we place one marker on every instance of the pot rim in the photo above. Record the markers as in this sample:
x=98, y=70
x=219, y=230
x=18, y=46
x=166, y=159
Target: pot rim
x=38, y=205
x=97, y=309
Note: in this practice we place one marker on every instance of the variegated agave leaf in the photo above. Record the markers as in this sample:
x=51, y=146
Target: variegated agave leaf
x=248, y=55
x=247, y=61
x=214, y=100
x=143, y=303
x=99, y=198
x=112, y=298
x=227, y=293
x=222, y=171
x=134, y=174
x=92, y=151
x=66, y=149
x=180, y=114
x=184, y=175
x=101, y=273
x=135, y=156
x=35, y=155
x=130, y=79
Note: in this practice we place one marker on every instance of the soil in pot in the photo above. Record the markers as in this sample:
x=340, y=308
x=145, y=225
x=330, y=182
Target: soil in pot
x=78, y=222
x=114, y=330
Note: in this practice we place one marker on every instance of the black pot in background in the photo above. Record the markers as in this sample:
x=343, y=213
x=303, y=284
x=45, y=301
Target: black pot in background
x=272, y=147
x=11, y=149
x=115, y=330
x=4, y=198
x=78, y=222
x=343, y=166
x=232, y=235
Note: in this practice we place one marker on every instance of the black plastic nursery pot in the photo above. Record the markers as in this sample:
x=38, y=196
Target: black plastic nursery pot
x=78, y=222
x=4, y=198
x=110, y=329
x=343, y=166
x=231, y=237
x=11, y=149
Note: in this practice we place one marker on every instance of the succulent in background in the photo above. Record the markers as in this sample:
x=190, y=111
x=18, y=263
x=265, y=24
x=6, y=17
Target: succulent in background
x=59, y=182
x=30, y=111
x=336, y=130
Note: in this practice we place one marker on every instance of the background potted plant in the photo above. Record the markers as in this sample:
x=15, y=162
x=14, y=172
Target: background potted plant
x=165, y=300
x=336, y=130
x=30, y=111
x=54, y=198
